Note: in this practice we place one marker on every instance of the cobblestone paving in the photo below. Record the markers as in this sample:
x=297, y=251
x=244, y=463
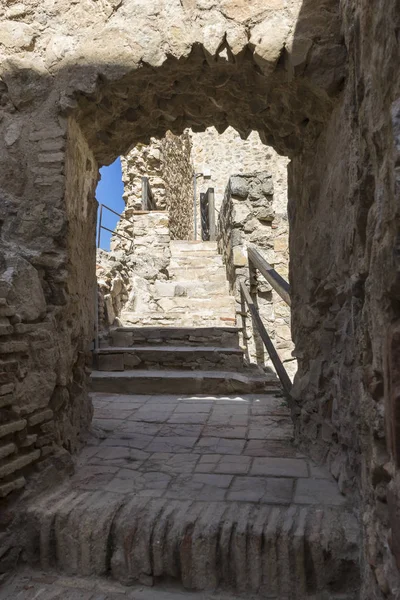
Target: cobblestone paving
x=200, y=448
x=30, y=585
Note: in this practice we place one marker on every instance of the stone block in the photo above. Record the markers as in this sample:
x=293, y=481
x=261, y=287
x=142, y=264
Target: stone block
x=131, y=360
x=110, y=362
x=109, y=309
x=18, y=463
x=180, y=290
x=12, y=427
x=46, y=451
x=240, y=213
x=281, y=244
x=48, y=427
x=165, y=289
x=280, y=467
x=266, y=39
x=122, y=338
x=29, y=440
x=265, y=214
x=318, y=491
x=13, y=346
x=6, y=388
x=17, y=35
x=6, y=400
x=6, y=377
x=216, y=480
x=283, y=332
x=43, y=440
x=11, y=486
x=239, y=256
x=237, y=465
x=254, y=489
x=7, y=450
x=25, y=289
x=239, y=186
x=6, y=329
x=40, y=417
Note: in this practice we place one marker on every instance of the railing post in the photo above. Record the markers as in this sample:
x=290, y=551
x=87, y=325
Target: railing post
x=99, y=231
x=203, y=229
x=211, y=214
x=195, y=206
x=96, y=315
x=144, y=193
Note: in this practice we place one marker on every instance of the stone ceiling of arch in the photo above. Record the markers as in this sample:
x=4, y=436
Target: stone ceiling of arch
x=131, y=69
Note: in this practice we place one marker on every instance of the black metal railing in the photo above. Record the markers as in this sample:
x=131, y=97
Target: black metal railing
x=101, y=226
x=283, y=289
x=207, y=216
x=148, y=200
x=274, y=279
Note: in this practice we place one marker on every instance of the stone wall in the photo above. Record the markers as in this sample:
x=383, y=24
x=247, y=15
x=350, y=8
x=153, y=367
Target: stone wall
x=170, y=163
x=178, y=178
x=45, y=344
x=126, y=275
x=344, y=215
x=144, y=160
x=247, y=217
x=224, y=154
x=167, y=164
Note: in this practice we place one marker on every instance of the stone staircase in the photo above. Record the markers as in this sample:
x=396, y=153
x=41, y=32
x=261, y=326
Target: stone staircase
x=196, y=294
x=164, y=360
x=190, y=344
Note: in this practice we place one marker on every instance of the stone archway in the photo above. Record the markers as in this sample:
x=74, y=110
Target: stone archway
x=91, y=106
x=76, y=99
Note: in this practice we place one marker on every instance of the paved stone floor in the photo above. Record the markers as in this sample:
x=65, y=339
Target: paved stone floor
x=208, y=492
x=200, y=448
x=36, y=585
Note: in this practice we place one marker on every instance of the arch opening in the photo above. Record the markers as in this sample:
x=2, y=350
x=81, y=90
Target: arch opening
x=197, y=92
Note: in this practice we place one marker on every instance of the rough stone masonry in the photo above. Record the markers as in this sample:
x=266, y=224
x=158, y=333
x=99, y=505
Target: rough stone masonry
x=318, y=79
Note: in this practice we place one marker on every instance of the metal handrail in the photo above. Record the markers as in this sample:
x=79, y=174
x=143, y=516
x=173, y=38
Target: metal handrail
x=276, y=361
x=148, y=200
x=110, y=230
x=274, y=279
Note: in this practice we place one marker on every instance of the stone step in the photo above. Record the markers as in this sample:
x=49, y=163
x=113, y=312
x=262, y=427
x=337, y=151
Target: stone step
x=279, y=552
x=37, y=584
x=167, y=357
x=192, y=247
x=177, y=319
x=191, y=288
x=182, y=336
x=218, y=305
x=197, y=261
x=186, y=382
x=198, y=274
